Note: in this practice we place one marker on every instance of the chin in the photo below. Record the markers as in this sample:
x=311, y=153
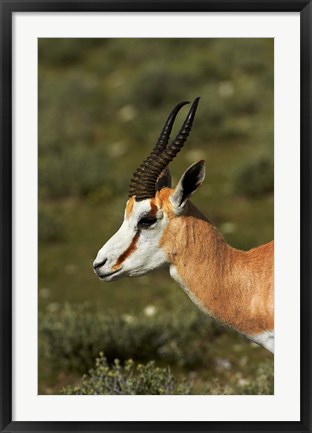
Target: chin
x=114, y=277
x=137, y=273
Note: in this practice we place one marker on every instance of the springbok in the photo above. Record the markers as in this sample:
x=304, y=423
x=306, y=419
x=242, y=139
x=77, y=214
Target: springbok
x=162, y=227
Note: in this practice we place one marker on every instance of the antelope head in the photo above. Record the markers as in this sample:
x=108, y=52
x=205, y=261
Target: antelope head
x=152, y=207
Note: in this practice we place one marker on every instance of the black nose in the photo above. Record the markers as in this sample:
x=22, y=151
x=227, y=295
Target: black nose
x=98, y=265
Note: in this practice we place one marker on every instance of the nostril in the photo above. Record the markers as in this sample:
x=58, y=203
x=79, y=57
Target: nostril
x=98, y=265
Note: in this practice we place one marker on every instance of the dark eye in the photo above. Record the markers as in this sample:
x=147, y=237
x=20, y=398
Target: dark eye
x=147, y=222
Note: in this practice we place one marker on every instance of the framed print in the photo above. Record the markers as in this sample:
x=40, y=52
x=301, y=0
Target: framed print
x=171, y=142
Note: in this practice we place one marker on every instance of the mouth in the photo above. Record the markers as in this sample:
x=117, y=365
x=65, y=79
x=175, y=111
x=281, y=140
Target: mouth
x=109, y=274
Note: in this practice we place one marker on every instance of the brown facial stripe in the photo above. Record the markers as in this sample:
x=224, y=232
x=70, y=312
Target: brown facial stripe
x=132, y=247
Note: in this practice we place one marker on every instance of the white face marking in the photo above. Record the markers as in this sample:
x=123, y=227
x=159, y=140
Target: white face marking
x=134, y=249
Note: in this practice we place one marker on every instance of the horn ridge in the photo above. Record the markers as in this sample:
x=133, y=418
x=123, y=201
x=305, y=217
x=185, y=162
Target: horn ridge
x=157, y=150
x=165, y=133
x=146, y=187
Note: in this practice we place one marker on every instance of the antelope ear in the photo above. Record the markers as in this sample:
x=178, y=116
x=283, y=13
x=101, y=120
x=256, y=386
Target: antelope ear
x=190, y=181
x=164, y=180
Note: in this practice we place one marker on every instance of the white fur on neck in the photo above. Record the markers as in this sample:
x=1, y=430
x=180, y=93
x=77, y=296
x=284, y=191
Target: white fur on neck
x=265, y=339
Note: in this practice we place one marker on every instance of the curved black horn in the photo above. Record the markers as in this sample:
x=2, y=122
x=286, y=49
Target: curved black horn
x=146, y=185
x=158, y=149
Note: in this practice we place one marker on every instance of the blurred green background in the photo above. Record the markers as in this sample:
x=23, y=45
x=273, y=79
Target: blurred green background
x=102, y=104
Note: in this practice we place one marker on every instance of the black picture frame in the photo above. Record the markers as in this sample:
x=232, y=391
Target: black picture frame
x=8, y=7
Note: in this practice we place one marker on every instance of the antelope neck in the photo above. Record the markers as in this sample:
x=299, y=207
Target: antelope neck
x=221, y=280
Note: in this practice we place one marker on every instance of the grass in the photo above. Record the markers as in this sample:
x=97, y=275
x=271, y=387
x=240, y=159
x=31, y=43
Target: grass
x=101, y=106
x=197, y=350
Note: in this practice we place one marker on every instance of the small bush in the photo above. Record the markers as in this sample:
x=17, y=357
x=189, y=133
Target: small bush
x=71, y=338
x=117, y=379
x=256, y=178
x=50, y=226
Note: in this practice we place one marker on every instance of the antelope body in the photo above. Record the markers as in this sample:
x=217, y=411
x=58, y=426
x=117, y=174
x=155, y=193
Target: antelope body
x=162, y=227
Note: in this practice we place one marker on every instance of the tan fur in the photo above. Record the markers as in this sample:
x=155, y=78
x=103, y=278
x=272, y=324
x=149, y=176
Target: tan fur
x=235, y=287
x=129, y=206
x=161, y=201
x=154, y=209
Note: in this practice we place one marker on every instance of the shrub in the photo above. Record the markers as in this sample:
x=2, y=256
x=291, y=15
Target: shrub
x=117, y=379
x=256, y=178
x=71, y=338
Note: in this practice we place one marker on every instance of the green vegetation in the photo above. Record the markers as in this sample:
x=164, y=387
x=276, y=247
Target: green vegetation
x=72, y=337
x=131, y=379
x=102, y=103
x=256, y=179
x=116, y=379
x=49, y=225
